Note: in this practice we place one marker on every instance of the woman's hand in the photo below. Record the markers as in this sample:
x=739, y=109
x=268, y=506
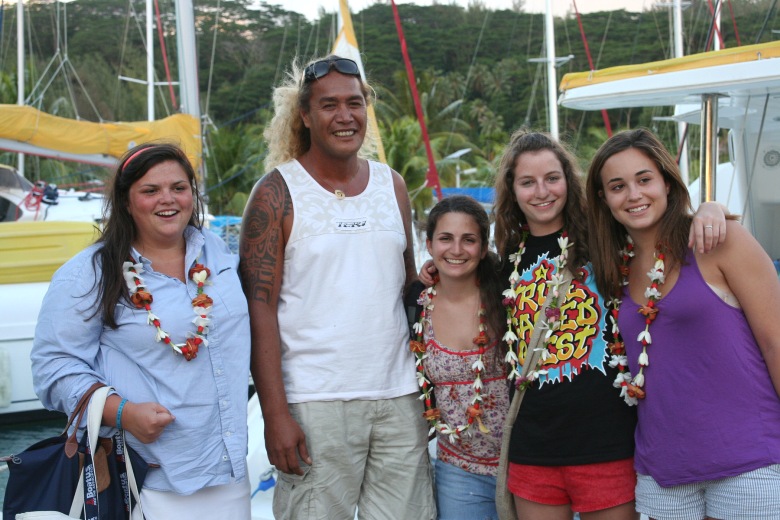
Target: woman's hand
x=146, y=421
x=708, y=229
x=427, y=273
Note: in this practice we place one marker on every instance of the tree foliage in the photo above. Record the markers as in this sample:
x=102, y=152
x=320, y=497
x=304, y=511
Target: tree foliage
x=472, y=69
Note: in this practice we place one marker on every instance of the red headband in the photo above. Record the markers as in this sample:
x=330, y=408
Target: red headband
x=130, y=159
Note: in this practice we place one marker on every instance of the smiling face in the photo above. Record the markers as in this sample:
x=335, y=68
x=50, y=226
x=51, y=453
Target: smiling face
x=540, y=189
x=634, y=189
x=161, y=204
x=337, y=116
x=456, y=246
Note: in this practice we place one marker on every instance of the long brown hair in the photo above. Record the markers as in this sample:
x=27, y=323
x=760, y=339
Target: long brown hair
x=119, y=230
x=509, y=217
x=608, y=237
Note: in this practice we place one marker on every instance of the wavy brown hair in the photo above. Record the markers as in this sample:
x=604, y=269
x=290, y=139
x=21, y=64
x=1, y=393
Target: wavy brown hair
x=608, y=236
x=119, y=230
x=509, y=217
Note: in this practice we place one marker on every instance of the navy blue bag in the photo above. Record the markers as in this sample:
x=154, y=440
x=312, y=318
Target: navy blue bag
x=45, y=476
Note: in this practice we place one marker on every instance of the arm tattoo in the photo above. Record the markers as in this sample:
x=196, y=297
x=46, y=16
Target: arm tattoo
x=262, y=236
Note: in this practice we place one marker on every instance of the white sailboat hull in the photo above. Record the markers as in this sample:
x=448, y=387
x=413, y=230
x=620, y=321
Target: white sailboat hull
x=747, y=83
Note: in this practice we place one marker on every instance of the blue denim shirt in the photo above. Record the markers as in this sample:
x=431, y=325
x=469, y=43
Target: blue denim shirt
x=207, y=442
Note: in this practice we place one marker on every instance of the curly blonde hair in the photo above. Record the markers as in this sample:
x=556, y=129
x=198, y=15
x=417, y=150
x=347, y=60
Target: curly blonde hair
x=286, y=135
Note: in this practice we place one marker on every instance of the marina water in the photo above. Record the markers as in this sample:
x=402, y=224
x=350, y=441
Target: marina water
x=15, y=438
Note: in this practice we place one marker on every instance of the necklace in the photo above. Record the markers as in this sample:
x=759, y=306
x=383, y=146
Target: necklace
x=340, y=194
x=632, y=389
x=418, y=347
x=201, y=306
x=515, y=339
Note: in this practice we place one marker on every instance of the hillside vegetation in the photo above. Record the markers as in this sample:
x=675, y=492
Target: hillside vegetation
x=472, y=69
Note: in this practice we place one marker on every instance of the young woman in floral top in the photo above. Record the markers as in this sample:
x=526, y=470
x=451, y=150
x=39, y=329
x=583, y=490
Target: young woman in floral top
x=459, y=354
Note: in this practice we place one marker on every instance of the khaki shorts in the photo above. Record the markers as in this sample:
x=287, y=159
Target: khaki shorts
x=369, y=455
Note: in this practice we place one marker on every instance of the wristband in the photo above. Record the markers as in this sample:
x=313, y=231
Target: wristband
x=119, y=414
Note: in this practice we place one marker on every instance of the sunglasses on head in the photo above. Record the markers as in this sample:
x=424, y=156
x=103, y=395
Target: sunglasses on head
x=321, y=68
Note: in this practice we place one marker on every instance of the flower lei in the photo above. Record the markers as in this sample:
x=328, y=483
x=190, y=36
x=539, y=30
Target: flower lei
x=552, y=316
x=201, y=305
x=417, y=346
x=632, y=388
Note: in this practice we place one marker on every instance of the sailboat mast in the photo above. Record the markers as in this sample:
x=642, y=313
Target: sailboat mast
x=188, y=73
x=188, y=65
x=677, y=29
x=552, y=78
x=20, y=70
x=149, y=63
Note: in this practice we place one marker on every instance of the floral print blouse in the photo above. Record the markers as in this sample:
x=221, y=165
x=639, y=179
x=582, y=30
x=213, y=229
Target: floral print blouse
x=453, y=378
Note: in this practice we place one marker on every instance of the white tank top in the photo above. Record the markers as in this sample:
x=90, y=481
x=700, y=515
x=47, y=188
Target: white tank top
x=341, y=319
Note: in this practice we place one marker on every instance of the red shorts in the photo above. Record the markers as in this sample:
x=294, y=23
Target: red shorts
x=587, y=487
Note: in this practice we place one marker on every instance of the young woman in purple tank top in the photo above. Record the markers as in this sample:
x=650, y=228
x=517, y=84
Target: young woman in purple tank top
x=701, y=335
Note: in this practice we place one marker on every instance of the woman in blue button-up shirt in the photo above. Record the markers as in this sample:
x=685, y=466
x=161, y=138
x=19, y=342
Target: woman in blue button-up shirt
x=155, y=309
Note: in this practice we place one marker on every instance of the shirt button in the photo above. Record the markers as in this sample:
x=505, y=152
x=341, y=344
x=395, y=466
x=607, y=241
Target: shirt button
x=218, y=372
x=224, y=404
x=228, y=434
x=224, y=457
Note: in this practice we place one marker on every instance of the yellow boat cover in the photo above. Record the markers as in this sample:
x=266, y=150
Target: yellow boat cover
x=32, y=251
x=27, y=124
x=742, y=54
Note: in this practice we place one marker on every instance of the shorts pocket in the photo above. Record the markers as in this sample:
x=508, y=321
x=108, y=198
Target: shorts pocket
x=293, y=496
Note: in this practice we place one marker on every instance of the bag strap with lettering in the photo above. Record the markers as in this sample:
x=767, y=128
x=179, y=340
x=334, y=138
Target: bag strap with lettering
x=86, y=496
x=504, y=500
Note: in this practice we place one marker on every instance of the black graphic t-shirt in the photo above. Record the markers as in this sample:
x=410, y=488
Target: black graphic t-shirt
x=572, y=414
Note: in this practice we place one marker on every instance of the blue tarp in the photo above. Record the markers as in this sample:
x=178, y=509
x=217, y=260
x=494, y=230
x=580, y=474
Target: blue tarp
x=484, y=194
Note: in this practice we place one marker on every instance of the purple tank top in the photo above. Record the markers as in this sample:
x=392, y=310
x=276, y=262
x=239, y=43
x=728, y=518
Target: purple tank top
x=711, y=410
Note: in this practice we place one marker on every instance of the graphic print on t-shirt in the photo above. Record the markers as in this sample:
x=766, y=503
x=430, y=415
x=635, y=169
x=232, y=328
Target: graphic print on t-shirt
x=578, y=342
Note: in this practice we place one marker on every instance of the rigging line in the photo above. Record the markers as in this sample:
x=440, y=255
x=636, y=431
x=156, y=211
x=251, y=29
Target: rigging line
x=311, y=35
x=511, y=36
x=281, y=52
x=715, y=13
x=695, y=28
x=39, y=95
x=43, y=75
x=432, y=175
x=118, y=84
x=164, y=52
x=239, y=173
x=681, y=144
x=4, y=48
x=2, y=18
x=317, y=24
x=84, y=89
x=766, y=20
x=755, y=158
x=534, y=86
x=661, y=41
x=29, y=32
x=213, y=54
x=142, y=36
x=734, y=22
x=468, y=77
x=604, y=115
x=66, y=61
